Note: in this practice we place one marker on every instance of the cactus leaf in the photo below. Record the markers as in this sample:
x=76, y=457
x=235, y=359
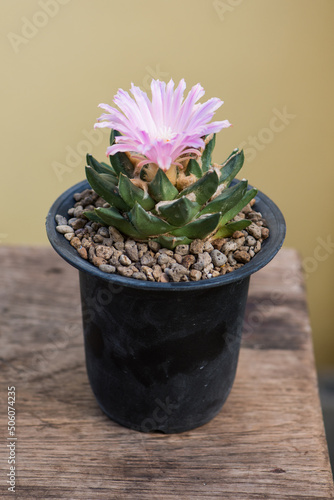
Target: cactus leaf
x=106, y=165
x=204, y=188
x=109, y=178
x=112, y=136
x=121, y=164
x=100, y=168
x=194, y=168
x=231, y=167
x=234, y=152
x=161, y=189
x=179, y=212
x=131, y=193
x=112, y=217
x=172, y=241
x=106, y=189
x=229, y=229
x=239, y=206
x=146, y=223
x=199, y=228
x=120, y=161
x=92, y=215
x=226, y=200
x=207, y=154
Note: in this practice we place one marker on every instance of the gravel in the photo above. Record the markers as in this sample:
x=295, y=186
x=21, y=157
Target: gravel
x=111, y=252
x=218, y=258
x=63, y=229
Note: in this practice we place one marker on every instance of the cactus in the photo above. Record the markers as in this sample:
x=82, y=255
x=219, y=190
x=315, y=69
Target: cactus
x=192, y=200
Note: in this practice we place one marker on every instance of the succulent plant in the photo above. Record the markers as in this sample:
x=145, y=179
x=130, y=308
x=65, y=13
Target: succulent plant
x=173, y=207
x=161, y=183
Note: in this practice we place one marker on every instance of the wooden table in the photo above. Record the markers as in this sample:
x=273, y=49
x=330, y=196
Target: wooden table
x=267, y=443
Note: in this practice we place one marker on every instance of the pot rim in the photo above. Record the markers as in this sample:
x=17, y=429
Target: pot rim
x=269, y=249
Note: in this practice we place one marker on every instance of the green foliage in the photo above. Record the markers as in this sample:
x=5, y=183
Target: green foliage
x=204, y=188
x=92, y=215
x=145, y=208
x=207, y=154
x=100, y=168
x=161, y=188
x=148, y=224
x=194, y=168
x=132, y=194
x=112, y=217
x=172, y=241
x=179, y=212
x=199, y=228
x=238, y=206
x=120, y=161
x=231, y=167
x=105, y=188
x=226, y=200
x=229, y=229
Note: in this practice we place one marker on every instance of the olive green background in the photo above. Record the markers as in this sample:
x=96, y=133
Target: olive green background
x=271, y=61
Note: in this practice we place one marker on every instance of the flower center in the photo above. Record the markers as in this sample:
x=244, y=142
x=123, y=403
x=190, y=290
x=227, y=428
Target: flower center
x=164, y=133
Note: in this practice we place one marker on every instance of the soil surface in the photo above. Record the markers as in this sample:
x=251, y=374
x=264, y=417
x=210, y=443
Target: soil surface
x=111, y=252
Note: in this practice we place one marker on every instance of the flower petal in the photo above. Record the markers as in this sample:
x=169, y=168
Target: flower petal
x=164, y=129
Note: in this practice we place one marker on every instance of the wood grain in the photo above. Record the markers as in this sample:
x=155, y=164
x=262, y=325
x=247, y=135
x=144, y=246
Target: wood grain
x=267, y=443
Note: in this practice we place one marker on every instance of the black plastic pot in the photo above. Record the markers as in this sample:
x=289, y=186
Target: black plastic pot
x=162, y=356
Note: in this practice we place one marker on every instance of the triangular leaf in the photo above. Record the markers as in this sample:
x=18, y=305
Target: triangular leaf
x=179, y=212
x=113, y=134
x=112, y=217
x=100, y=168
x=207, y=154
x=109, y=178
x=172, y=241
x=131, y=193
x=234, y=152
x=231, y=167
x=194, y=168
x=161, y=189
x=227, y=216
x=146, y=223
x=92, y=215
x=119, y=161
x=106, y=165
x=200, y=228
x=226, y=200
x=204, y=188
x=105, y=189
x=229, y=229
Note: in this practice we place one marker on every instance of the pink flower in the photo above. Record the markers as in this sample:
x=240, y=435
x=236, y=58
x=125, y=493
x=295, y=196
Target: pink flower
x=162, y=130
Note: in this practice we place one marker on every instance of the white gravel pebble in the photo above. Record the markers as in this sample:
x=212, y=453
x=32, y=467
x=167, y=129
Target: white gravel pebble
x=61, y=220
x=63, y=229
x=218, y=258
x=124, y=260
x=107, y=269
